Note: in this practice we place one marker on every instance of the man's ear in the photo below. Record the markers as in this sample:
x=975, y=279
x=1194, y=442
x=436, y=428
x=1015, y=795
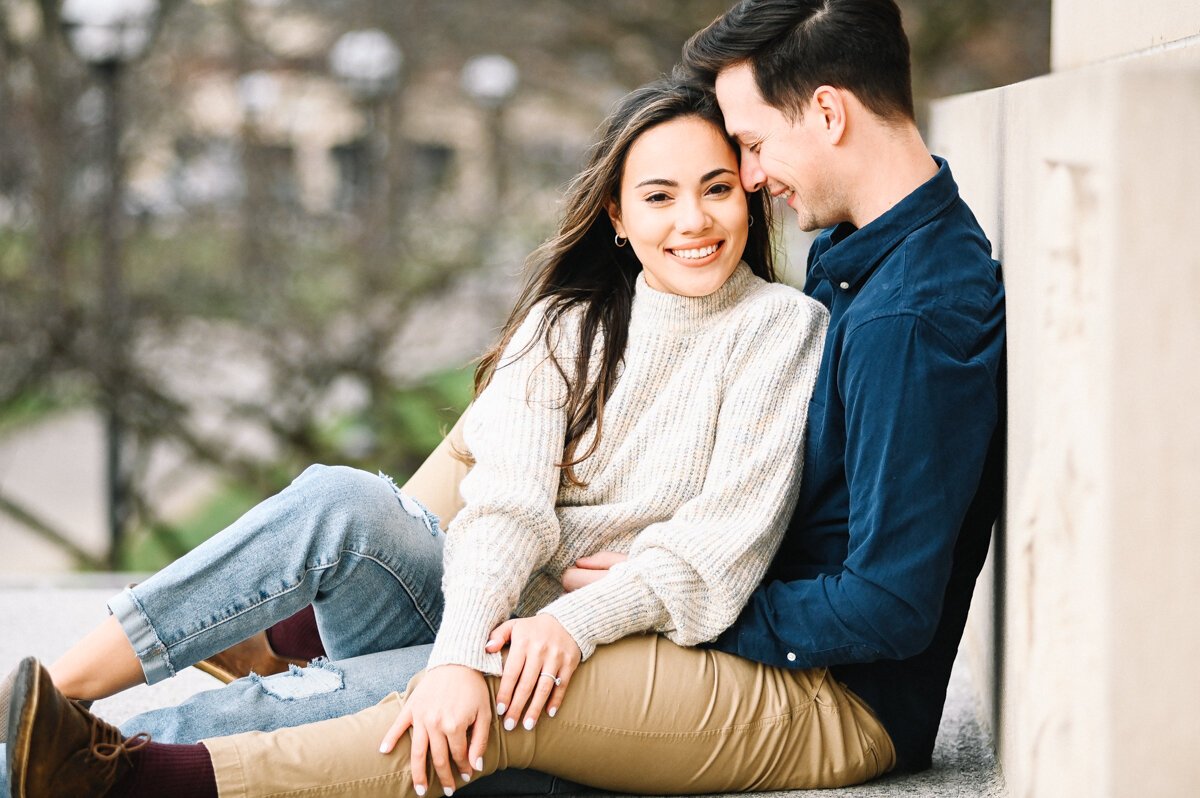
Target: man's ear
x=614, y=216
x=829, y=106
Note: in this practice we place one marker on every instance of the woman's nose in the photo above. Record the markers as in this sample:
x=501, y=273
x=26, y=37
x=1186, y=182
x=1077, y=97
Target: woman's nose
x=692, y=218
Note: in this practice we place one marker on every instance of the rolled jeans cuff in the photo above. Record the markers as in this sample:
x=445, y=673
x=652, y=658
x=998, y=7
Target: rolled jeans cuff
x=150, y=651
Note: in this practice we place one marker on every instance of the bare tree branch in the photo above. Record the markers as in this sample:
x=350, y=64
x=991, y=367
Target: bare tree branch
x=44, y=530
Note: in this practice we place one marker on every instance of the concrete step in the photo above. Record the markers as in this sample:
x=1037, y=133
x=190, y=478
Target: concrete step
x=41, y=617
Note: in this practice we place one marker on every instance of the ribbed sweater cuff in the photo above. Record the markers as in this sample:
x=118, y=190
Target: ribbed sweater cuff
x=468, y=620
x=618, y=605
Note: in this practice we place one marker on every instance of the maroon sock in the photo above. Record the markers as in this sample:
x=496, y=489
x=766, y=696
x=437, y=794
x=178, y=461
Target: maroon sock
x=297, y=637
x=181, y=771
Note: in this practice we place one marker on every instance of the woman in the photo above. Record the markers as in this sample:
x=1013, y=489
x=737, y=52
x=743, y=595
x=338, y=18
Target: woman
x=647, y=396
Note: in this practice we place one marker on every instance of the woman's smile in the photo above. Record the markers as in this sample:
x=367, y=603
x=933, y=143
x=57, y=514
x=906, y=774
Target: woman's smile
x=694, y=255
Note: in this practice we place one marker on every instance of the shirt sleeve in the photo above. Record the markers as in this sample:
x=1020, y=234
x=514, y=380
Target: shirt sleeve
x=919, y=417
x=508, y=527
x=690, y=575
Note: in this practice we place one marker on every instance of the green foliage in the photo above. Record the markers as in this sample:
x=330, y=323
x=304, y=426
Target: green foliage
x=399, y=433
x=27, y=408
x=427, y=413
x=30, y=407
x=15, y=250
x=150, y=550
x=402, y=434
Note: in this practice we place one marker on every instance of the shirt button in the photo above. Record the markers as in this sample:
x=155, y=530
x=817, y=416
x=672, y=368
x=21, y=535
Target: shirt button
x=845, y=286
x=791, y=657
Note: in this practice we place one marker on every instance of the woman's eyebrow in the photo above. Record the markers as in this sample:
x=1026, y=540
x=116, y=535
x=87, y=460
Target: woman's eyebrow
x=716, y=173
x=662, y=181
x=657, y=181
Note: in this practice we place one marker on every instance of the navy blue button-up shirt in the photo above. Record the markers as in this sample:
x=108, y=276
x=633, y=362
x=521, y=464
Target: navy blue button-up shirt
x=903, y=464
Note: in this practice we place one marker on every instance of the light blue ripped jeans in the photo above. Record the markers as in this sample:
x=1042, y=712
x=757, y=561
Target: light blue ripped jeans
x=368, y=559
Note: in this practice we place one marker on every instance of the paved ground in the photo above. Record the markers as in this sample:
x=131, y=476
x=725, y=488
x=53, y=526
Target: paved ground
x=41, y=615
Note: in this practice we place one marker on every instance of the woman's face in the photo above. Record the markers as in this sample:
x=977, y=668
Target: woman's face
x=682, y=207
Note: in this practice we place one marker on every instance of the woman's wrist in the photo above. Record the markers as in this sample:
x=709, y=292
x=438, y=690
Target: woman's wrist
x=467, y=622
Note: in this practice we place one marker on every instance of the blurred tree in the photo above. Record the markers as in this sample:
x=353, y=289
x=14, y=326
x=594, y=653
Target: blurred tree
x=273, y=328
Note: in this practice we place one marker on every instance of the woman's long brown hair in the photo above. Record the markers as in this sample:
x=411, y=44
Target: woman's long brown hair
x=581, y=266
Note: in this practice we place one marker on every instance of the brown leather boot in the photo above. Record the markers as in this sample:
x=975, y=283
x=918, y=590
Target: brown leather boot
x=55, y=747
x=252, y=655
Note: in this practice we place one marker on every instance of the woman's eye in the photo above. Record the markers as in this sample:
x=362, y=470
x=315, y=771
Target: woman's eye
x=657, y=196
x=720, y=189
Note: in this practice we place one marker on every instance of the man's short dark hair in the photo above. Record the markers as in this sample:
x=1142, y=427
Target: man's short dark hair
x=794, y=46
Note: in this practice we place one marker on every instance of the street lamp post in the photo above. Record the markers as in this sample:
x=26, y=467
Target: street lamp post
x=491, y=81
x=107, y=35
x=367, y=62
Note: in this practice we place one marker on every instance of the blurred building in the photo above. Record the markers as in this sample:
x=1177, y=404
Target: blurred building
x=298, y=246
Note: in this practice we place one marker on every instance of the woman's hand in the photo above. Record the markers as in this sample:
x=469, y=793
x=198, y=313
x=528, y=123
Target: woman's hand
x=591, y=568
x=448, y=705
x=538, y=645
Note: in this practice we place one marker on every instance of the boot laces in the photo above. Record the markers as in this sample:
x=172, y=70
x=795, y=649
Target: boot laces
x=109, y=746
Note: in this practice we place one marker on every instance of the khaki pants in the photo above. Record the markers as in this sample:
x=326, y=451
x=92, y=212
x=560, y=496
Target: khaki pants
x=642, y=715
x=435, y=484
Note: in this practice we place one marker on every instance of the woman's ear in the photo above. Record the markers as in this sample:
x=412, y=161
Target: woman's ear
x=614, y=216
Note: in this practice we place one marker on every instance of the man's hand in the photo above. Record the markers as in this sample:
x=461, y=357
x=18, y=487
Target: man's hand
x=448, y=705
x=538, y=645
x=589, y=569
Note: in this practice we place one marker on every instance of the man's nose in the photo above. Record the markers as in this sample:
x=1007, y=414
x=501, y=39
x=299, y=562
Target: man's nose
x=751, y=172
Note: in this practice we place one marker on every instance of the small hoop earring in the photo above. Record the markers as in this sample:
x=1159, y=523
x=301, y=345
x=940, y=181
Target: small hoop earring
x=619, y=240
x=751, y=222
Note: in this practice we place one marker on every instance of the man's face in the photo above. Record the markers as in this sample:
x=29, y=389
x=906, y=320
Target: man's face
x=790, y=158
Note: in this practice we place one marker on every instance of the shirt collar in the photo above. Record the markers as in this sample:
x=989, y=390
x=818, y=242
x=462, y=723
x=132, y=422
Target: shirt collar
x=856, y=252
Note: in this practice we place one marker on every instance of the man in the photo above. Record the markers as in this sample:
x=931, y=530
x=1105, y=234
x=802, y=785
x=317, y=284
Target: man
x=904, y=461
x=904, y=455
x=903, y=470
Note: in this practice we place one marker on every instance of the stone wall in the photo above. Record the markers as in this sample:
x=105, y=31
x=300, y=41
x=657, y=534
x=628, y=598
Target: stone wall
x=1088, y=31
x=1084, y=636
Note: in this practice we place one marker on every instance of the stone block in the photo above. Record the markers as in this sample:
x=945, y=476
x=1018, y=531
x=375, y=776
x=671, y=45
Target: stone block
x=1089, y=31
x=1091, y=623
x=968, y=131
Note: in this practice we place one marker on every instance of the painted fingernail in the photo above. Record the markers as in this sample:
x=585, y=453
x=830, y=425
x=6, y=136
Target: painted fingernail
x=465, y=776
x=479, y=764
x=528, y=724
x=419, y=789
x=500, y=707
x=552, y=711
x=510, y=724
x=448, y=791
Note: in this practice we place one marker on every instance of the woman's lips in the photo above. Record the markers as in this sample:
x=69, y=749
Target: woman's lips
x=697, y=255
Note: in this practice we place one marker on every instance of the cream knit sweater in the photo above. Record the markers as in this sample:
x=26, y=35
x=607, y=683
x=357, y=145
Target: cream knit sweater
x=695, y=475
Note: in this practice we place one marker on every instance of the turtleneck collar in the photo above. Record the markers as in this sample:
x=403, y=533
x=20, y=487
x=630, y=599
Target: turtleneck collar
x=658, y=311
